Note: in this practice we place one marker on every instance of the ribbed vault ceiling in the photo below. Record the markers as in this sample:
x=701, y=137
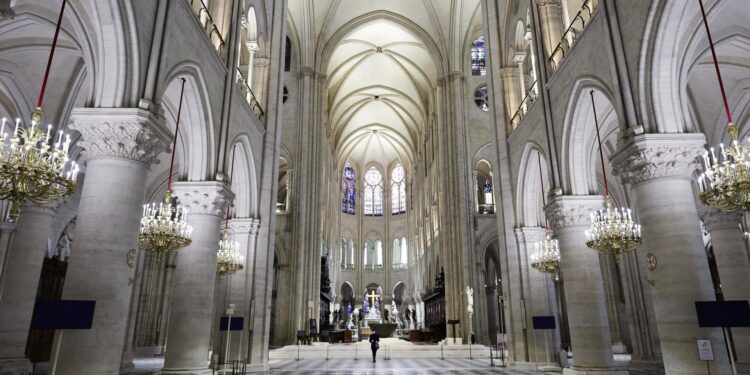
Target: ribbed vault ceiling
x=380, y=78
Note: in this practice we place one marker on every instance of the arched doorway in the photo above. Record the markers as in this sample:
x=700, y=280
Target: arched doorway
x=347, y=302
x=494, y=294
x=398, y=307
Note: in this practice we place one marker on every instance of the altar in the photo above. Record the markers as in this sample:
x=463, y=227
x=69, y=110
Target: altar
x=384, y=329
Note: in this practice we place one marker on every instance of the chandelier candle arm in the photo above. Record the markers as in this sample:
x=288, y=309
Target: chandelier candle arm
x=164, y=228
x=229, y=260
x=33, y=169
x=725, y=181
x=613, y=230
x=546, y=258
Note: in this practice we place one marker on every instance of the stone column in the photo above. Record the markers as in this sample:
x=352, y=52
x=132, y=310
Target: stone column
x=189, y=331
x=120, y=144
x=244, y=231
x=608, y=265
x=24, y=265
x=510, y=94
x=584, y=289
x=519, y=59
x=659, y=168
x=6, y=231
x=732, y=262
x=537, y=302
x=550, y=17
x=260, y=73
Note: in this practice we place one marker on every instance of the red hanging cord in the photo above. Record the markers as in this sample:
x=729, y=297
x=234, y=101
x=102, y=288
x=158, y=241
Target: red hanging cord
x=174, y=141
x=716, y=64
x=599, y=140
x=541, y=182
x=231, y=173
x=51, y=54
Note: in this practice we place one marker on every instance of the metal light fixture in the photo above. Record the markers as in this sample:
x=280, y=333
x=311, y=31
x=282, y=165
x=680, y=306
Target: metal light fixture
x=725, y=181
x=229, y=260
x=546, y=258
x=163, y=227
x=32, y=168
x=613, y=230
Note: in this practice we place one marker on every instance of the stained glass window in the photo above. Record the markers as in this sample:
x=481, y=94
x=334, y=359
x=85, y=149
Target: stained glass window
x=373, y=192
x=349, y=191
x=478, y=57
x=398, y=190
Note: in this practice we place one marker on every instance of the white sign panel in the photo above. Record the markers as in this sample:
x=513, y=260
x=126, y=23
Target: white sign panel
x=705, y=351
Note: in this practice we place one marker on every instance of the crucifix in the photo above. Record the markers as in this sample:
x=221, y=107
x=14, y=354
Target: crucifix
x=372, y=297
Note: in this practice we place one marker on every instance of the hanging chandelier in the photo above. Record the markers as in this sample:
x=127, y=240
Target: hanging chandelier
x=613, y=230
x=164, y=227
x=229, y=259
x=546, y=258
x=32, y=168
x=725, y=181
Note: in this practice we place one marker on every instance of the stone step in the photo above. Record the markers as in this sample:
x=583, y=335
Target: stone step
x=393, y=348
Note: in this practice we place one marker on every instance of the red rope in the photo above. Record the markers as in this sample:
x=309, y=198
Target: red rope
x=716, y=64
x=231, y=173
x=541, y=182
x=599, y=140
x=176, y=130
x=51, y=54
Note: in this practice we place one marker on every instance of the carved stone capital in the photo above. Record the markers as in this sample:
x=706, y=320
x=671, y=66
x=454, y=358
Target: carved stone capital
x=203, y=197
x=519, y=57
x=714, y=219
x=129, y=133
x=530, y=235
x=544, y=3
x=572, y=210
x=449, y=77
x=307, y=71
x=245, y=226
x=508, y=73
x=652, y=156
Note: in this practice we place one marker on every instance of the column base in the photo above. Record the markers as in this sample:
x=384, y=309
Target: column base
x=15, y=366
x=201, y=371
x=619, y=348
x=594, y=371
x=549, y=368
x=126, y=362
x=261, y=367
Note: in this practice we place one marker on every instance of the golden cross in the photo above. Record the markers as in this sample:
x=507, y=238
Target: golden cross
x=372, y=297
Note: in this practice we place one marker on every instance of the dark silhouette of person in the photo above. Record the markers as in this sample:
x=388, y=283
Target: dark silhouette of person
x=374, y=344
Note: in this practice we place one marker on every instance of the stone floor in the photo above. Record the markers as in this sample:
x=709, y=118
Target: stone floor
x=144, y=366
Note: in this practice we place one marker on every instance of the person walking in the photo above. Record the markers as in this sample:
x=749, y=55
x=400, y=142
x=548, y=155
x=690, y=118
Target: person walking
x=374, y=344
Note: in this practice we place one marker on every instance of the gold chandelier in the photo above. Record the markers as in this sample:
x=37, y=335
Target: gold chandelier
x=32, y=168
x=164, y=227
x=613, y=230
x=229, y=259
x=546, y=258
x=725, y=184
